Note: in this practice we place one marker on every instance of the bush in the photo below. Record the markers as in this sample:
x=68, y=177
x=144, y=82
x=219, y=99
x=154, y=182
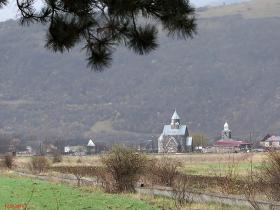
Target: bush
x=270, y=175
x=181, y=190
x=57, y=158
x=79, y=171
x=124, y=167
x=164, y=170
x=8, y=161
x=39, y=164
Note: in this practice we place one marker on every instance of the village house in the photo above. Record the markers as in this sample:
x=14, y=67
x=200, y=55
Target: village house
x=91, y=147
x=174, y=136
x=270, y=142
x=75, y=150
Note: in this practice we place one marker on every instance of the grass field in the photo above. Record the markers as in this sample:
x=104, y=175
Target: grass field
x=222, y=164
x=219, y=164
x=50, y=196
x=194, y=164
x=220, y=169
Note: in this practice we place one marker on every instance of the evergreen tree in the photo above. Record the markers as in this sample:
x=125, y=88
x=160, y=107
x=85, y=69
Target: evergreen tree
x=103, y=25
x=3, y=3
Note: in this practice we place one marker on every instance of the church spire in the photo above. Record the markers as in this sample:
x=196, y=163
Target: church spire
x=226, y=133
x=175, y=116
x=226, y=127
x=175, y=120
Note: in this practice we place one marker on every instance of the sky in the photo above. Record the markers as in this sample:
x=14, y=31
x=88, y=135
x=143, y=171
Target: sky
x=10, y=11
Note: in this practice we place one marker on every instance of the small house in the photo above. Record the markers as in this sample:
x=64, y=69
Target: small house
x=271, y=142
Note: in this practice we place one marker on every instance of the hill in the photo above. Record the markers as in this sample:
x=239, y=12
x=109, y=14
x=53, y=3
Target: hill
x=228, y=72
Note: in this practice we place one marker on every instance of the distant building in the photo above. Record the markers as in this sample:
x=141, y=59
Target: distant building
x=91, y=147
x=271, y=142
x=174, y=136
x=148, y=146
x=27, y=152
x=67, y=149
x=75, y=150
x=227, y=144
x=226, y=133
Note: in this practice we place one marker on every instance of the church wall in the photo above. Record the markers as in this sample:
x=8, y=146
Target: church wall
x=166, y=145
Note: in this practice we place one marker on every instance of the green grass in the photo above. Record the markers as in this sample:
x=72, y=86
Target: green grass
x=164, y=203
x=51, y=196
x=47, y=196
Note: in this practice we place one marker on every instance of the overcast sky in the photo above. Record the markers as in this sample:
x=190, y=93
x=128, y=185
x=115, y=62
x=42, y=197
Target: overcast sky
x=10, y=11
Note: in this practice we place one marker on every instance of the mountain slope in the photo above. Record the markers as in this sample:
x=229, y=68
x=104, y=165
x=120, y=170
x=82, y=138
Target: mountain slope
x=228, y=72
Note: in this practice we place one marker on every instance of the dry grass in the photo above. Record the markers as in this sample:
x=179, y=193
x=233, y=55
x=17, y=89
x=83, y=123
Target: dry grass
x=223, y=157
x=218, y=164
x=197, y=164
x=250, y=9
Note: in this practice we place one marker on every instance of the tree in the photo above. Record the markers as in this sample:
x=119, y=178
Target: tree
x=199, y=139
x=103, y=25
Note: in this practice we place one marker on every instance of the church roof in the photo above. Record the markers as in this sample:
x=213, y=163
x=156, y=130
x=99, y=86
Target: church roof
x=175, y=116
x=273, y=138
x=90, y=143
x=181, y=131
x=230, y=142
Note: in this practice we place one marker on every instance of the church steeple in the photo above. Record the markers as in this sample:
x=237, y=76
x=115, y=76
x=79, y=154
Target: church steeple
x=226, y=133
x=226, y=127
x=175, y=120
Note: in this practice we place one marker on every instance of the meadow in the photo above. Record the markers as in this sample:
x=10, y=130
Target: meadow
x=32, y=194
x=41, y=195
x=212, y=173
x=192, y=164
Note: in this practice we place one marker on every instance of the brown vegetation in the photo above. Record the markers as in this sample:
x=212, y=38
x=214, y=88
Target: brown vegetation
x=163, y=170
x=57, y=158
x=270, y=175
x=124, y=166
x=181, y=190
x=80, y=171
x=39, y=164
x=8, y=161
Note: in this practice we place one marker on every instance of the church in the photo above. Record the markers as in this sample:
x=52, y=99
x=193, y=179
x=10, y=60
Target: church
x=227, y=144
x=174, y=136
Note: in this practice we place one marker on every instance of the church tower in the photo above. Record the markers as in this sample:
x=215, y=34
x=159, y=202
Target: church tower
x=175, y=120
x=174, y=136
x=226, y=133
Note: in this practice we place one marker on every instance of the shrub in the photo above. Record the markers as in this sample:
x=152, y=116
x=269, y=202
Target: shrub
x=124, y=167
x=164, y=170
x=8, y=161
x=270, y=175
x=181, y=190
x=79, y=171
x=57, y=158
x=39, y=164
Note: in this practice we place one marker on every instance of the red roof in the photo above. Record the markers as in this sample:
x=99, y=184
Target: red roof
x=230, y=143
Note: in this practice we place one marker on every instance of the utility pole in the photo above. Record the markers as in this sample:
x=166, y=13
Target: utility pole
x=251, y=137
